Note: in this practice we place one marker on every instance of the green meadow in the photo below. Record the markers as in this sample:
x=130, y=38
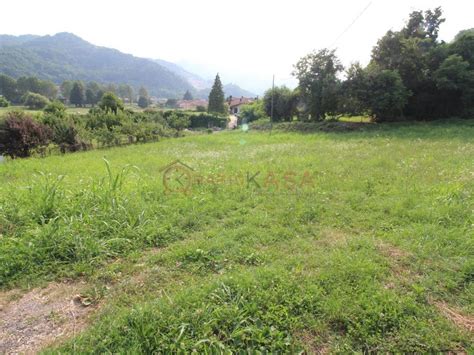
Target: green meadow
x=367, y=256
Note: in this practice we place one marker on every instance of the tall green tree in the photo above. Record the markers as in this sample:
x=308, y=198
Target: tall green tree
x=65, y=89
x=8, y=88
x=411, y=52
x=318, y=82
x=216, y=98
x=143, y=98
x=284, y=103
x=111, y=103
x=187, y=96
x=125, y=92
x=78, y=94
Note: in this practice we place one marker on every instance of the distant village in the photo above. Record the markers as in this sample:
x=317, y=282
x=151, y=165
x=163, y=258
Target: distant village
x=234, y=103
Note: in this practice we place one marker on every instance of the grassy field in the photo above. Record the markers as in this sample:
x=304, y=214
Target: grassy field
x=69, y=109
x=354, y=241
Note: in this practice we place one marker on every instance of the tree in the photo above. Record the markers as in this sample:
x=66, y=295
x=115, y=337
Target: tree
x=216, y=98
x=49, y=89
x=187, y=96
x=284, y=103
x=111, y=103
x=4, y=102
x=463, y=45
x=78, y=96
x=414, y=53
x=91, y=97
x=354, y=91
x=93, y=93
x=318, y=82
x=8, y=88
x=143, y=92
x=143, y=98
x=171, y=103
x=456, y=81
x=125, y=92
x=142, y=101
x=65, y=89
x=111, y=87
x=178, y=122
x=252, y=111
x=56, y=108
x=32, y=84
x=386, y=95
x=35, y=101
x=20, y=134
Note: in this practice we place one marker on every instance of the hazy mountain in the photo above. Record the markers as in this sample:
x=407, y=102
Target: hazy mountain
x=195, y=80
x=229, y=89
x=65, y=56
x=202, y=85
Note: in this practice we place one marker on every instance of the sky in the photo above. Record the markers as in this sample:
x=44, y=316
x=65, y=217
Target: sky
x=246, y=41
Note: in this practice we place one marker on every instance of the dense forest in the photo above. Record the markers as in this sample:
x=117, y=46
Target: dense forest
x=411, y=75
x=67, y=57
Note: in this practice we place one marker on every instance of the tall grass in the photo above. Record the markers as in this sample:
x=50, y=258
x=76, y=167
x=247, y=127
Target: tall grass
x=350, y=265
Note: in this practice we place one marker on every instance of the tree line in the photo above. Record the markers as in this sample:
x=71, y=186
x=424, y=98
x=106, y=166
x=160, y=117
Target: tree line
x=108, y=124
x=412, y=75
x=36, y=93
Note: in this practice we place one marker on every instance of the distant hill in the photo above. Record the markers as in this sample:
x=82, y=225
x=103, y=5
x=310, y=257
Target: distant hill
x=195, y=80
x=203, y=86
x=65, y=56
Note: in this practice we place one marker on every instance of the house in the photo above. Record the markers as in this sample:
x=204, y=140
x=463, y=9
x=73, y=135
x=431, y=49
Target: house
x=191, y=104
x=235, y=104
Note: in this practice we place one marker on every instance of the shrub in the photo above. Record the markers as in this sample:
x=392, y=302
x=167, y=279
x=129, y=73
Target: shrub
x=34, y=101
x=200, y=108
x=178, y=122
x=64, y=133
x=111, y=103
x=20, y=135
x=207, y=120
x=4, y=102
x=55, y=108
x=252, y=112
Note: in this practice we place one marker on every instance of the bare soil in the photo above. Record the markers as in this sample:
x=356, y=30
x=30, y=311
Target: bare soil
x=33, y=320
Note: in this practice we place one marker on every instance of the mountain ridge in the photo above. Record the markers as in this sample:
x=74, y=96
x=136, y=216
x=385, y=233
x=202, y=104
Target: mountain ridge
x=66, y=56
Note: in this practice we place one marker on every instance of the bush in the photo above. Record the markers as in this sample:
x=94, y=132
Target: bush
x=200, y=108
x=55, y=108
x=20, y=135
x=111, y=103
x=252, y=112
x=201, y=120
x=64, y=133
x=34, y=101
x=4, y=102
x=284, y=103
x=178, y=122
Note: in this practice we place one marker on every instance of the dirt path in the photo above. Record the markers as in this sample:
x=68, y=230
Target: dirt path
x=232, y=122
x=31, y=321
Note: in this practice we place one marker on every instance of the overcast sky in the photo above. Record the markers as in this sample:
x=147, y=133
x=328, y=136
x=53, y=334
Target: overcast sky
x=244, y=40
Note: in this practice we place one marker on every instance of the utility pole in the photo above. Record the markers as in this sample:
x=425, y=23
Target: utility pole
x=271, y=115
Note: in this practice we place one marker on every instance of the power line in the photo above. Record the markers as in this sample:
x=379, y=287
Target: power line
x=351, y=24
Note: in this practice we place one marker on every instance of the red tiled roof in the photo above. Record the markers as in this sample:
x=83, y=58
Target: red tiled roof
x=239, y=101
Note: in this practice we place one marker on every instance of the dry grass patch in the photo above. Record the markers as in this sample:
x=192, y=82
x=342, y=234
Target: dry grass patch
x=41, y=317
